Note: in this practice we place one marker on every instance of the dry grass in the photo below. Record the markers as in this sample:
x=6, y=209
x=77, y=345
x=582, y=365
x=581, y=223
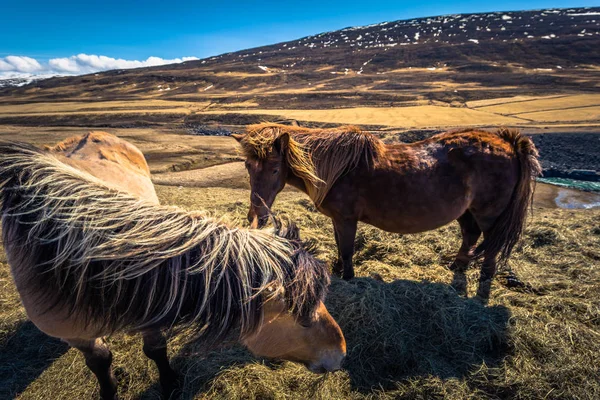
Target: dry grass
x=506, y=100
x=148, y=105
x=415, y=117
x=528, y=105
x=409, y=334
x=591, y=114
x=514, y=111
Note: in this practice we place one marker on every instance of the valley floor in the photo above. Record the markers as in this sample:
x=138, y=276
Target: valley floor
x=569, y=110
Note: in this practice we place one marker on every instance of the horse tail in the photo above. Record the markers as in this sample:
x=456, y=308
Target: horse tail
x=508, y=228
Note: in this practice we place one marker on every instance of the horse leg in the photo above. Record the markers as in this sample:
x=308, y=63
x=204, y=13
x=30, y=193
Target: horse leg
x=98, y=358
x=470, y=234
x=488, y=270
x=155, y=348
x=345, y=233
x=488, y=267
x=338, y=267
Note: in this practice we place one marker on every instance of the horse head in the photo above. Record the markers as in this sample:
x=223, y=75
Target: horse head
x=309, y=335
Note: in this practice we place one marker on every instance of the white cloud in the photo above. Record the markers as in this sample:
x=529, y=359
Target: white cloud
x=19, y=64
x=63, y=65
x=14, y=66
x=85, y=63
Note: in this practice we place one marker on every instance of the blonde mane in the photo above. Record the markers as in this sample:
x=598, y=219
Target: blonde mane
x=125, y=263
x=318, y=156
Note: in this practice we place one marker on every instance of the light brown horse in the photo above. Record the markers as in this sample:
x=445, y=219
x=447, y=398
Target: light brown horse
x=482, y=179
x=116, y=162
x=93, y=255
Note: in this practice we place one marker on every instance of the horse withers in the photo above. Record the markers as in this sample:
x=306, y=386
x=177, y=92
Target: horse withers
x=482, y=179
x=93, y=254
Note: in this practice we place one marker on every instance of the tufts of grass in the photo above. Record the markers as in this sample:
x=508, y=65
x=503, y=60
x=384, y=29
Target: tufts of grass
x=409, y=334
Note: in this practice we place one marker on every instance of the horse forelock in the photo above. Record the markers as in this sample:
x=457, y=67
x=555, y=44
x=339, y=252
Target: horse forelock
x=125, y=263
x=319, y=156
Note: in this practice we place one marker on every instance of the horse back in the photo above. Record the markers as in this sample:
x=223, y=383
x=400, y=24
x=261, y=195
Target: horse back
x=118, y=163
x=423, y=185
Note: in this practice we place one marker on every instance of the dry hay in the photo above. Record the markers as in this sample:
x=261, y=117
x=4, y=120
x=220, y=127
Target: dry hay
x=419, y=116
x=409, y=335
x=148, y=105
x=532, y=105
x=590, y=114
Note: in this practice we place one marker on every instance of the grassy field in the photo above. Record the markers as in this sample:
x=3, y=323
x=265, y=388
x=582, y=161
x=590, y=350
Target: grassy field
x=408, y=117
x=591, y=114
x=520, y=105
x=409, y=334
x=150, y=105
x=574, y=109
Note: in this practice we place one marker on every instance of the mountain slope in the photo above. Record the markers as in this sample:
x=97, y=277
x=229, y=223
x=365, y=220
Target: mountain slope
x=450, y=59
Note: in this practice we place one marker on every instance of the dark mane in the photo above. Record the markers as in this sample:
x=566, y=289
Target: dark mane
x=121, y=263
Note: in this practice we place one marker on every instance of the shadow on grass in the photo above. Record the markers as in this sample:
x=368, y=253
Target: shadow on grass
x=405, y=329
x=24, y=356
x=394, y=332
x=198, y=366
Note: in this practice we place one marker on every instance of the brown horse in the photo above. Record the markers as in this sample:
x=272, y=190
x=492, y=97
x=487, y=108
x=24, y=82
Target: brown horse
x=482, y=179
x=90, y=258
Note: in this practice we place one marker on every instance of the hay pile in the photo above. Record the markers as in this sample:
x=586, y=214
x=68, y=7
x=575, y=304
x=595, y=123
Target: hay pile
x=408, y=333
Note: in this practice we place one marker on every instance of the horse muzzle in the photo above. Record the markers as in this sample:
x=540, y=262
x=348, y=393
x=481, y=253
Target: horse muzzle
x=329, y=363
x=257, y=221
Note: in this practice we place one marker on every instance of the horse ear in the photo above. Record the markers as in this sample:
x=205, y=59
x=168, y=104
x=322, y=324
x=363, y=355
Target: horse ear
x=277, y=224
x=237, y=136
x=289, y=230
x=282, y=142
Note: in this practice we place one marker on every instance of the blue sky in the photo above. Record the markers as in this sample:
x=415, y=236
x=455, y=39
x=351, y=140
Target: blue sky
x=136, y=30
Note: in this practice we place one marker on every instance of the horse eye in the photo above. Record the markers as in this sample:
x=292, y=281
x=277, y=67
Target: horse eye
x=275, y=171
x=305, y=323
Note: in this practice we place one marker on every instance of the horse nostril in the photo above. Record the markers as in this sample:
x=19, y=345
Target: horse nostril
x=330, y=364
x=317, y=369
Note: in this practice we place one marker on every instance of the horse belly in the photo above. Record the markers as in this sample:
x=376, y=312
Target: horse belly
x=55, y=322
x=412, y=220
x=414, y=205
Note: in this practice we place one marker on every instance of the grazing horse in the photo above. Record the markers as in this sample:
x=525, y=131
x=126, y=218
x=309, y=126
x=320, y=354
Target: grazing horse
x=90, y=259
x=482, y=179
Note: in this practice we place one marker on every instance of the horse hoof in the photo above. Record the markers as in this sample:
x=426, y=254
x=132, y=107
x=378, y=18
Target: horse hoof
x=482, y=300
x=337, y=270
x=459, y=283
x=483, y=292
x=110, y=396
x=172, y=392
x=171, y=387
x=348, y=276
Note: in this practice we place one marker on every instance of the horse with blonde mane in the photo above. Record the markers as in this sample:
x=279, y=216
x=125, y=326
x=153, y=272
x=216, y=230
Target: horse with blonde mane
x=482, y=179
x=90, y=258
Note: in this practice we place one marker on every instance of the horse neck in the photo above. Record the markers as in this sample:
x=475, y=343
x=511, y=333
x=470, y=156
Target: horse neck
x=297, y=182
